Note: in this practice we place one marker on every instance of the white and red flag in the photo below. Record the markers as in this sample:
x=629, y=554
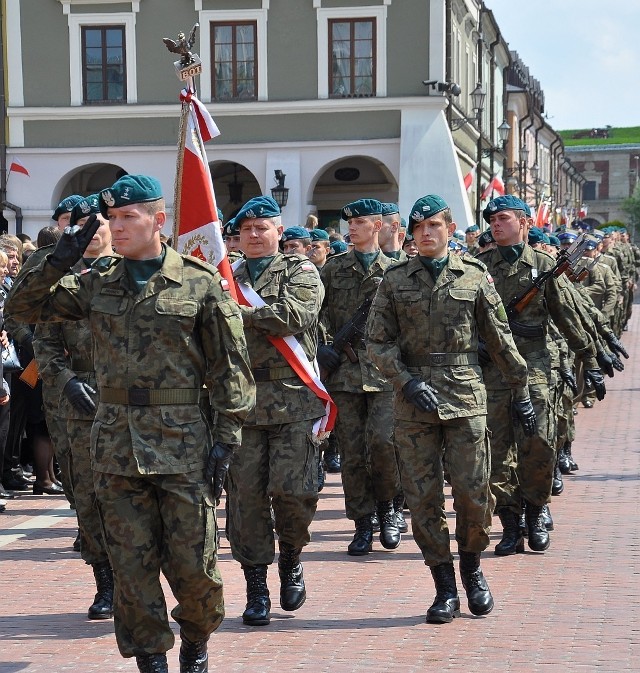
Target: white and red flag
x=542, y=214
x=468, y=178
x=17, y=166
x=495, y=185
x=196, y=227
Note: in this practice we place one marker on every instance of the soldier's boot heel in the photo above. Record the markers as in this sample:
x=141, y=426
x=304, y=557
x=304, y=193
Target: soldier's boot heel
x=363, y=539
x=258, y=608
x=538, y=534
x=293, y=593
x=102, y=606
x=512, y=541
x=479, y=597
x=152, y=663
x=389, y=532
x=446, y=604
x=193, y=655
x=398, y=506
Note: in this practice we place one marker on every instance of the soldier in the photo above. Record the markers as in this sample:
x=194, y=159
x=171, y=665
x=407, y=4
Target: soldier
x=364, y=397
x=319, y=247
x=522, y=468
x=471, y=235
x=390, y=236
x=296, y=240
x=64, y=354
x=422, y=333
x=279, y=459
x=163, y=325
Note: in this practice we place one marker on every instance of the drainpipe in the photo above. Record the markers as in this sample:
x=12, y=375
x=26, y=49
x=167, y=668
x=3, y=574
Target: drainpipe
x=448, y=54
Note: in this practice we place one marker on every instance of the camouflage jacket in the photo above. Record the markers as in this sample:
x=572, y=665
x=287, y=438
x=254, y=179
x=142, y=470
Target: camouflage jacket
x=429, y=331
x=512, y=279
x=291, y=288
x=181, y=332
x=347, y=285
x=600, y=285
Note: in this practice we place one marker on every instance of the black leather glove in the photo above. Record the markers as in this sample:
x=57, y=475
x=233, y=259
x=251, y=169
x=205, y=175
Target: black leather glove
x=421, y=395
x=569, y=379
x=605, y=362
x=483, y=354
x=217, y=467
x=523, y=412
x=72, y=244
x=25, y=350
x=616, y=346
x=328, y=358
x=79, y=394
x=593, y=378
x=617, y=363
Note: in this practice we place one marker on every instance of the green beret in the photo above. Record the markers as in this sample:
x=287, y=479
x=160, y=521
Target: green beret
x=390, y=209
x=536, y=235
x=485, y=238
x=506, y=202
x=87, y=206
x=130, y=189
x=338, y=247
x=424, y=208
x=554, y=241
x=259, y=206
x=227, y=229
x=403, y=222
x=360, y=208
x=471, y=229
x=220, y=216
x=295, y=233
x=66, y=205
x=319, y=235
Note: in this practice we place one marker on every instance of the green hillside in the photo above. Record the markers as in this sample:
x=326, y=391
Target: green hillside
x=616, y=136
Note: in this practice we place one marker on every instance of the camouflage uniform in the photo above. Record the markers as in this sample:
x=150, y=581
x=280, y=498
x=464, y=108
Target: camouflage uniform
x=535, y=456
x=153, y=352
x=278, y=463
x=429, y=331
x=364, y=427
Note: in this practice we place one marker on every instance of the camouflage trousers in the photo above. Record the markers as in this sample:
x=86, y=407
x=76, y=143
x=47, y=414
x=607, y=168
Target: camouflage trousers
x=155, y=523
x=521, y=467
x=276, y=466
x=93, y=549
x=459, y=447
x=364, y=429
x=57, y=427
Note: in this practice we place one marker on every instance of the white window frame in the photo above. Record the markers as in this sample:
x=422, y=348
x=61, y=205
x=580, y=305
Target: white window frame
x=206, y=17
x=380, y=14
x=79, y=21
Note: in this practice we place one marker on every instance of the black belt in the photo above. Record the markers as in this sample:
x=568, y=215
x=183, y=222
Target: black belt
x=143, y=397
x=440, y=359
x=262, y=374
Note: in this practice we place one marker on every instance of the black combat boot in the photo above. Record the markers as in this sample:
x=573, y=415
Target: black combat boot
x=292, y=591
x=546, y=517
x=512, y=535
x=389, y=533
x=479, y=597
x=538, y=534
x=193, y=655
x=557, y=484
x=398, y=506
x=563, y=459
x=152, y=663
x=362, y=540
x=102, y=607
x=446, y=605
x=573, y=466
x=258, y=602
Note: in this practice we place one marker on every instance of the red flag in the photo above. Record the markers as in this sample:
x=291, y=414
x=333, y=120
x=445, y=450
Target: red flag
x=486, y=192
x=583, y=211
x=197, y=225
x=17, y=167
x=498, y=185
x=468, y=178
x=542, y=214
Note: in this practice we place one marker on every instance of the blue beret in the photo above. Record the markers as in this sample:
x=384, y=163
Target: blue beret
x=506, y=202
x=471, y=229
x=360, y=208
x=597, y=233
x=554, y=241
x=338, y=246
x=258, y=206
x=319, y=235
x=458, y=234
x=66, y=205
x=294, y=233
x=536, y=235
x=87, y=206
x=130, y=189
x=426, y=207
x=390, y=209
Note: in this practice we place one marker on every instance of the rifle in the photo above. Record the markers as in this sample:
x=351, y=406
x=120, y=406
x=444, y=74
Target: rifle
x=352, y=332
x=565, y=261
x=578, y=275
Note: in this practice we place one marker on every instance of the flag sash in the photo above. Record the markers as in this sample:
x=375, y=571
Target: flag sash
x=296, y=358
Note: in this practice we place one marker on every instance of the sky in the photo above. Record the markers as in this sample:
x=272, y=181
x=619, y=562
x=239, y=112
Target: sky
x=584, y=53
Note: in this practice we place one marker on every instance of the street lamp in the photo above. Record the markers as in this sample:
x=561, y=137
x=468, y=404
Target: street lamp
x=477, y=103
x=280, y=193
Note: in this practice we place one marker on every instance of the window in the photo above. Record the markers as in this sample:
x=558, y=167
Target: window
x=103, y=64
x=352, y=49
x=235, y=68
x=589, y=190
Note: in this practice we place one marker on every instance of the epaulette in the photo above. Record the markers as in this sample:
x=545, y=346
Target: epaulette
x=474, y=261
x=199, y=262
x=297, y=257
x=397, y=265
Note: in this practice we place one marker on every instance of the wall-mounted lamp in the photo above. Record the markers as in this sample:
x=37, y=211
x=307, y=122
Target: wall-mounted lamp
x=443, y=87
x=280, y=193
x=477, y=103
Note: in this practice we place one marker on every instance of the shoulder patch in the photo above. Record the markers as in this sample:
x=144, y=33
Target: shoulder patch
x=474, y=261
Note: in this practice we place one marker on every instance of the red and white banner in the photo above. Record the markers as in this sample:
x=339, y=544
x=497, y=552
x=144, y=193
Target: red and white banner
x=542, y=214
x=196, y=229
x=495, y=185
x=297, y=359
x=16, y=166
x=468, y=178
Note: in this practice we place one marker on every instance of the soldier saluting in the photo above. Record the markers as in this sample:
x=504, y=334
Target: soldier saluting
x=422, y=333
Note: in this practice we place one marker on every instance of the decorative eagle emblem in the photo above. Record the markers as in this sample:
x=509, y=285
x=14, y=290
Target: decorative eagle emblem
x=182, y=45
